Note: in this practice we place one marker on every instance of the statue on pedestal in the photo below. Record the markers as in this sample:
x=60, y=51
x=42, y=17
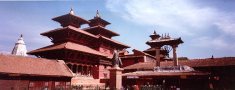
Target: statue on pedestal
x=116, y=61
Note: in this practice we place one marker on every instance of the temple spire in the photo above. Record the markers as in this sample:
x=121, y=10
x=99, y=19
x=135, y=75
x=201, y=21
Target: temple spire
x=71, y=11
x=20, y=47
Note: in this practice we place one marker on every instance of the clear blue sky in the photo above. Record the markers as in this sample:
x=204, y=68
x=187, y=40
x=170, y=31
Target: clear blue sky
x=206, y=26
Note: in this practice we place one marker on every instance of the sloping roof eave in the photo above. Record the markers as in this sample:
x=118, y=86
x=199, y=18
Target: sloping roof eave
x=70, y=46
x=89, y=29
x=29, y=66
x=68, y=27
x=114, y=41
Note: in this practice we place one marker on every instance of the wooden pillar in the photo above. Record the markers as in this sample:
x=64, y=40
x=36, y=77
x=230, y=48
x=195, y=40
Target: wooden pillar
x=87, y=70
x=115, y=78
x=91, y=71
x=79, y=70
x=72, y=67
x=175, y=59
x=76, y=69
x=158, y=56
x=82, y=70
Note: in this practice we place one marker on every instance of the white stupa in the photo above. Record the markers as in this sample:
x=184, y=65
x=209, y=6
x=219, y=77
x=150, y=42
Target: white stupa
x=20, y=47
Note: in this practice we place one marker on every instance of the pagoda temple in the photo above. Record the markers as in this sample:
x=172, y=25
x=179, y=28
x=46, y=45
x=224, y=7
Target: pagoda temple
x=86, y=51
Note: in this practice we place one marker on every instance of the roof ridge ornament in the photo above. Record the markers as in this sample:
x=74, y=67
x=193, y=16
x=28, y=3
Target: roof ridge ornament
x=168, y=36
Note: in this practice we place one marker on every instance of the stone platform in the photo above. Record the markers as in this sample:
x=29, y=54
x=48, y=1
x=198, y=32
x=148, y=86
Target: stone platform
x=87, y=82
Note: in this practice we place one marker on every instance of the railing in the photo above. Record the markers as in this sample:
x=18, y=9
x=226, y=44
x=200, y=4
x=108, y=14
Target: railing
x=151, y=87
x=222, y=58
x=173, y=68
x=97, y=87
x=144, y=87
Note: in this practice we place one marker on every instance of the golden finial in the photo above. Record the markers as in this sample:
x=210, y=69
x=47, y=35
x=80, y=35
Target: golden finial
x=71, y=11
x=168, y=35
x=97, y=13
x=154, y=32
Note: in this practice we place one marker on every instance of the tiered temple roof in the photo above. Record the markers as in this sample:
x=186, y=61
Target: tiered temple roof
x=68, y=46
x=97, y=27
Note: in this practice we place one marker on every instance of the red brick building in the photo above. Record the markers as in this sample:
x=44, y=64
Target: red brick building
x=136, y=57
x=25, y=73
